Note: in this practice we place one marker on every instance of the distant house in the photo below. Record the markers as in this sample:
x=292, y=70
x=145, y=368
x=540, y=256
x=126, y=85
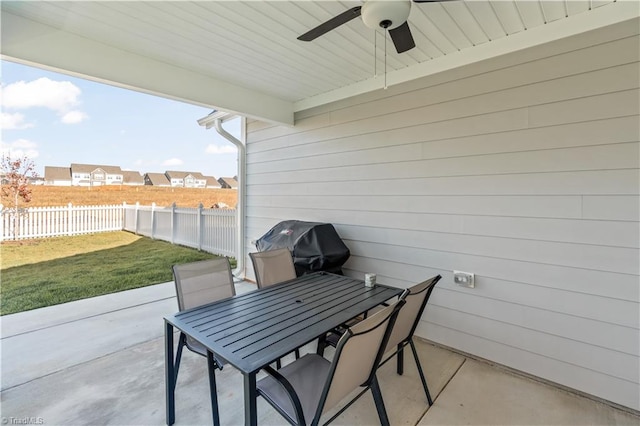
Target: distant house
x=95, y=175
x=212, y=182
x=156, y=179
x=228, y=183
x=36, y=180
x=130, y=177
x=58, y=176
x=186, y=179
x=98, y=175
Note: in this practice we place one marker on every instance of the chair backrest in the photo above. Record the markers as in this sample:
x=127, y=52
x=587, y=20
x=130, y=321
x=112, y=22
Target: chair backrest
x=416, y=299
x=272, y=266
x=357, y=356
x=199, y=283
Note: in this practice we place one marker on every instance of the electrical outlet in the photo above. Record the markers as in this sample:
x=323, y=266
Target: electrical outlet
x=464, y=279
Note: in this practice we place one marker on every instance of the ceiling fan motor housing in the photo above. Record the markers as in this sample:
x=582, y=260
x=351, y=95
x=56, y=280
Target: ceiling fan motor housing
x=387, y=14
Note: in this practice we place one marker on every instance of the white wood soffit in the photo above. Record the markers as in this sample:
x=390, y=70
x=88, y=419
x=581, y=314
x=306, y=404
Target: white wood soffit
x=621, y=11
x=243, y=57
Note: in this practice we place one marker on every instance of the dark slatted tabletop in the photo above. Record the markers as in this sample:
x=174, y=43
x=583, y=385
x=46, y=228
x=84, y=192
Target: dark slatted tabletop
x=254, y=329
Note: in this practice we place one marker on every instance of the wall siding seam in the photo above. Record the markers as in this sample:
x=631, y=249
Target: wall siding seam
x=455, y=214
x=401, y=178
x=531, y=352
x=634, y=85
x=487, y=133
x=426, y=159
x=488, y=236
x=537, y=308
x=495, y=91
x=511, y=260
x=461, y=194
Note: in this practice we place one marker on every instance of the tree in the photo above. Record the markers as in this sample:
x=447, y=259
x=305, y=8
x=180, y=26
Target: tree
x=16, y=173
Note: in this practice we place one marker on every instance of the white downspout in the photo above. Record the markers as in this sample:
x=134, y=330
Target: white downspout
x=242, y=160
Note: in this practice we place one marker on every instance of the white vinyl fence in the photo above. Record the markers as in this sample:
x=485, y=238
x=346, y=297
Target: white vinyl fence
x=210, y=230
x=39, y=222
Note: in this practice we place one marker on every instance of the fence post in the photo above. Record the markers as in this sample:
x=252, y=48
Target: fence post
x=69, y=219
x=135, y=229
x=153, y=220
x=200, y=227
x=123, y=216
x=173, y=223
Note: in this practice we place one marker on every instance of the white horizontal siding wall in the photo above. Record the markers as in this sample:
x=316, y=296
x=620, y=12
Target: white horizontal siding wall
x=523, y=169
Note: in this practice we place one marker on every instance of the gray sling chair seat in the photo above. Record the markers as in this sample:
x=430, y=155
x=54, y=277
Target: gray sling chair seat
x=197, y=284
x=310, y=386
x=402, y=334
x=273, y=267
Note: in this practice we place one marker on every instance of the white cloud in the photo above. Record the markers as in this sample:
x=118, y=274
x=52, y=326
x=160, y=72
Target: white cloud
x=225, y=149
x=13, y=121
x=19, y=148
x=73, y=117
x=173, y=162
x=56, y=95
x=59, y=96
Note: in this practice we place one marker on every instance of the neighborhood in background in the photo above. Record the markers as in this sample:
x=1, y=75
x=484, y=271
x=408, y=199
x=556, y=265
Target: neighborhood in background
x=98, y=175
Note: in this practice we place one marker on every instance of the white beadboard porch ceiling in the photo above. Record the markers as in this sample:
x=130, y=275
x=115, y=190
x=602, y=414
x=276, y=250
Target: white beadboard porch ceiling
x=243, y=56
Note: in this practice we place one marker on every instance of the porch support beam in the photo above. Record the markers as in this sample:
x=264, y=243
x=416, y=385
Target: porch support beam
x=32, y=43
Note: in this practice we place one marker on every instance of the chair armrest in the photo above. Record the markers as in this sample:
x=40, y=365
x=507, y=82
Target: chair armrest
x=291, y=392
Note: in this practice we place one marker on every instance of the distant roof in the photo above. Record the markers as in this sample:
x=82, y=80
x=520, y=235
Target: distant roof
x=181, y=175
x=88, y=168
x=52, y=173
x=228, y=182
x=212, y=182
x=131, y=176
x=157, y=179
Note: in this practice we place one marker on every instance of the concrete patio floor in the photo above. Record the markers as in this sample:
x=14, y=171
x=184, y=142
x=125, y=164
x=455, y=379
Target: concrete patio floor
x=101, y=361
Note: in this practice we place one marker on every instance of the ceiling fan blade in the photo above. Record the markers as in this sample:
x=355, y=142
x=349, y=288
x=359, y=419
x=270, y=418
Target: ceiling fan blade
x=402, y=38
x=331, y=24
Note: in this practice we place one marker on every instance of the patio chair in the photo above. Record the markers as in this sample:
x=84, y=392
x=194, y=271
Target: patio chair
x=273, y=267
x=310, y=386
x=402, y=334
x=199, y=283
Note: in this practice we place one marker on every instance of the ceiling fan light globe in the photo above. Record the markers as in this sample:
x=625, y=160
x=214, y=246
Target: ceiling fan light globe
x=375, y=12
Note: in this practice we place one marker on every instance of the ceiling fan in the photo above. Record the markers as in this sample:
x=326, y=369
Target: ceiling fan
x=389, y=15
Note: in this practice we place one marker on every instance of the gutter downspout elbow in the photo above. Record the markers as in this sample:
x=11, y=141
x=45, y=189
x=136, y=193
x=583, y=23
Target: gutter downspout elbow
x=242, y=159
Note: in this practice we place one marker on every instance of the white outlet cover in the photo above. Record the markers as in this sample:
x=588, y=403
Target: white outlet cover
x=465, y=279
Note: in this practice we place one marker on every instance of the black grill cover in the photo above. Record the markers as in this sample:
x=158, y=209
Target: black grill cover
x=315, y=246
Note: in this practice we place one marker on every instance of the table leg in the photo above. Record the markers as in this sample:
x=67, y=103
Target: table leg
x=169, y=371
x=211, y=367
x=250, y=395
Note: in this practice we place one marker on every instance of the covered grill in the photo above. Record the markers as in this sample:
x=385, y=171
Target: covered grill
x=315, y=246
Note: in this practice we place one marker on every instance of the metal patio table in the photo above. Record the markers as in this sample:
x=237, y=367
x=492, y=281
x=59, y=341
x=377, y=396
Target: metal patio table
x=252, y=330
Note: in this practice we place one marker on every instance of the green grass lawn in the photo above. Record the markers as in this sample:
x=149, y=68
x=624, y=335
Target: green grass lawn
x=38, y=273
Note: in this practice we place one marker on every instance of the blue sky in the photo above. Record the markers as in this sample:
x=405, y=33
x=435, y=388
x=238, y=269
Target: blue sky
x=57, y=120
